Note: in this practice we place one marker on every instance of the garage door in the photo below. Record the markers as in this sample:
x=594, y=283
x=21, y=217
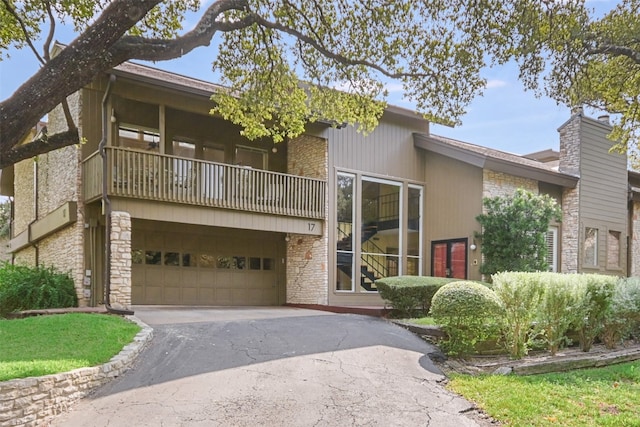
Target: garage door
x=182, y=265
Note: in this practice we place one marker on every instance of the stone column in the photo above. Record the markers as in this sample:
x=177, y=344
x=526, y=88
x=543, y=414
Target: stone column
x=307, y=256
x=570, y=163
x=120, y=274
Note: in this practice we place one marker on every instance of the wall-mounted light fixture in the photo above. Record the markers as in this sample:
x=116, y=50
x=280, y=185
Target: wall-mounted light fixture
x=287, y=238
x=473, y=246
x=113, y=116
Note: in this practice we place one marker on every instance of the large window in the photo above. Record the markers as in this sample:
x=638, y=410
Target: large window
x=414, y=231
x=344, y=232
x=378, y=231
x=139, y=138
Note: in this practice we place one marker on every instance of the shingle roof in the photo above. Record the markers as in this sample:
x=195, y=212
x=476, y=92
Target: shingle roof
x=489, y=158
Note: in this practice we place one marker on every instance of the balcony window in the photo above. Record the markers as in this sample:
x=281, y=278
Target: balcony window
x=137, y=138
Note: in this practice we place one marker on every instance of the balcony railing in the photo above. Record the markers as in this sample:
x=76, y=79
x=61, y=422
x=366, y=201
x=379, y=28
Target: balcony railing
x=159, y=177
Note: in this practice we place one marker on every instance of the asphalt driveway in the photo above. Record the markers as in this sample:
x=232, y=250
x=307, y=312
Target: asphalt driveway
x=274, y=367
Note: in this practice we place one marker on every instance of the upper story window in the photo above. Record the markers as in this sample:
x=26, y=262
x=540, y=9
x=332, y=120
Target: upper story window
x=251, y=157
x=590, y=246
x=138, y=138
x=613, y=249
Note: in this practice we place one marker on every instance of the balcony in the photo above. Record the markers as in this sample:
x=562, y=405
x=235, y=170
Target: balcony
x=158, y=177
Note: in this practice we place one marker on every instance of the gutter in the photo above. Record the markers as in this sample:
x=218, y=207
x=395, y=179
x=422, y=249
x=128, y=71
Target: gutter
x=106, y=206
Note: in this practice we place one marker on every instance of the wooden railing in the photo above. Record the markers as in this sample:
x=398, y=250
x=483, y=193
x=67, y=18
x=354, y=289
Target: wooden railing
x=153, y=176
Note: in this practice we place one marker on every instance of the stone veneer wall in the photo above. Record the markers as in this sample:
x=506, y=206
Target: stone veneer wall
x=120, y=274
x=635, y=241
x=501, y=184
x=59, y=181
x=570, y=163
x=36, y=401
x=307, y=256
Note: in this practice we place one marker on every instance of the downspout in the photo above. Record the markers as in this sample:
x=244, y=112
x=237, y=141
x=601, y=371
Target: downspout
x=106, y=205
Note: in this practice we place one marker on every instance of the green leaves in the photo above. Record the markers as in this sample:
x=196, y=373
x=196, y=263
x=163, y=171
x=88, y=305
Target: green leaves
x=513, y=231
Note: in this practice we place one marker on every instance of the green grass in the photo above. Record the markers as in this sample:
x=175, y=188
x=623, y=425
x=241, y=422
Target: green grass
x=590, y=397
x=45, y=345
x=428, y=321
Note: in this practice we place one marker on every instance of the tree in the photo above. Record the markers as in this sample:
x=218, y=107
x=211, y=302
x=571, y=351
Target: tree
x=514, y=230
x=282, y=60
x=584, y=60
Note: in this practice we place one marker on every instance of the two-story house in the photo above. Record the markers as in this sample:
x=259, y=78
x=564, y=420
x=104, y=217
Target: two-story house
x=166, y=204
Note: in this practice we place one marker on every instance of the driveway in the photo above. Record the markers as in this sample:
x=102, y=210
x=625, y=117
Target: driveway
x=274, y=367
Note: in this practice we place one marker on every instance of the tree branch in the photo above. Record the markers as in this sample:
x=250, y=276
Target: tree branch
x=614, y=50
x=17, y=17
x=39, y=146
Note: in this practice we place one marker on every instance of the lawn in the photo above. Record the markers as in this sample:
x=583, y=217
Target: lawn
x=607, y=396
x=51, y=344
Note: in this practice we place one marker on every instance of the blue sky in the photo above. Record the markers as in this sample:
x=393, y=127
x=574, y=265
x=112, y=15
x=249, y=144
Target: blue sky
x=506, y=117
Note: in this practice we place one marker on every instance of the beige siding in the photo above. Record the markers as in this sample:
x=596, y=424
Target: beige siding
x=453, y=200
x=388, y=150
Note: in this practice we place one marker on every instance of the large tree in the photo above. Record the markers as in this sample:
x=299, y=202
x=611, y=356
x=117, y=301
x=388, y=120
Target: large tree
x=585, y=60
x=283, y=59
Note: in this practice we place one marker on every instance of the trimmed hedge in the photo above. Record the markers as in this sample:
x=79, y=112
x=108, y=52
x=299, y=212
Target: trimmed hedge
x=32, y=288
x=410, y=295
x=469, y=313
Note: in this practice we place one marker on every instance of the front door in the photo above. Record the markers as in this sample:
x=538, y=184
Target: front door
x=449, y=258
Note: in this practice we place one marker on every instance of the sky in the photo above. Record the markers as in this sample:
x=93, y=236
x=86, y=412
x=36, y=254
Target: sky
x=505, y=117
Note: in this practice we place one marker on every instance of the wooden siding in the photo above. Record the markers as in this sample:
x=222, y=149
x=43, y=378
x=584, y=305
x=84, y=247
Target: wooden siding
x=603, y=195
x=453, y=200
x=199, y=215
x=603, y=177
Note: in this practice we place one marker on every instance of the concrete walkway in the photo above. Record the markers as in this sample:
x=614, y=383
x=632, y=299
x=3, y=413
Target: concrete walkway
x=274, y=367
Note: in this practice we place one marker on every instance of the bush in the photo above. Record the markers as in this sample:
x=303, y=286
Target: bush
x=31, y=288
x=556, y=312
x=595, y=295
x=622, y=317
x=468, y=312
x=410, y=295
x=520, y=295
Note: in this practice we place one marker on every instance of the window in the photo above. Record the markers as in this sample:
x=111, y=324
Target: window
x=344, y=232
x=172, y=259
x=552, y=248
x=213, y=153
x=613, y=249
x=380, y=231
x=251, y=157
x=138, y=138
x=591, y=246
x=414, y=232
x=373, y=234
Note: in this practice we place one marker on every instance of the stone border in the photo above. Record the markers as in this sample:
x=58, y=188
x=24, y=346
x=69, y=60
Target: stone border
x=35, y=401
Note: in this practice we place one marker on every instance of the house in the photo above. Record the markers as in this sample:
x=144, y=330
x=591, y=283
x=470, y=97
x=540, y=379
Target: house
x=180, y=209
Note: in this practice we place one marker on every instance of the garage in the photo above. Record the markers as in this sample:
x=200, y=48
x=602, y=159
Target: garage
x=178, y=264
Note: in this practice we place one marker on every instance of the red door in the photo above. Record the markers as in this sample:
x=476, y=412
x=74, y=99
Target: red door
x=449, y=258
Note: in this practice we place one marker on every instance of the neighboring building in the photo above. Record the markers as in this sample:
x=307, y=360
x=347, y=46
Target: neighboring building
x=195, y=214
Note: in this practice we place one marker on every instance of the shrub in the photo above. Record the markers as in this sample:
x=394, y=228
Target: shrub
x=556, y=311
x=514, y=229
x=468, y=312
x=30, y=288
x=594, y=294
x=520, y=294
x=622, y=317
x=410, y=295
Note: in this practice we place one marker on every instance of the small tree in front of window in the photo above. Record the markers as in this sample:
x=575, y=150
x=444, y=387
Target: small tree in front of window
x=5, y=219
x=514, y=232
